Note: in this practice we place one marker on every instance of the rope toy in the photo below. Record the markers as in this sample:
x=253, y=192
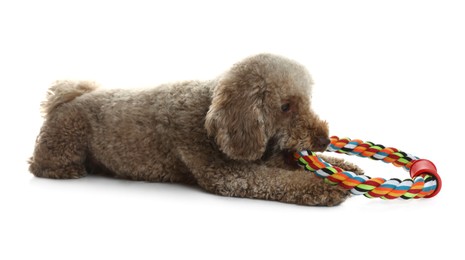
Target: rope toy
x=424, y=182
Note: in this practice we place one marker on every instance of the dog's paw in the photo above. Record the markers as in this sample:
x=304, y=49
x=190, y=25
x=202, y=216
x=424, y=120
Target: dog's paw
x=325, y=195
x=69, y=172
x=343, y=164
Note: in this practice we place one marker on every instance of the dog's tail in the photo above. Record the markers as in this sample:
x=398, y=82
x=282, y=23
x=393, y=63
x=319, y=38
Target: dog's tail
x=64, y=91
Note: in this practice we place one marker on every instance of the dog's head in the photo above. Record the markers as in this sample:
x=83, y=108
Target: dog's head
x=263, y=103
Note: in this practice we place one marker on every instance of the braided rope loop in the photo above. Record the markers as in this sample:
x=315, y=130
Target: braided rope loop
x=425, y=182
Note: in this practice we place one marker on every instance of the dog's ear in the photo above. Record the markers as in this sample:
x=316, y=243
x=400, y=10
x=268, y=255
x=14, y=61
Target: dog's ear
x=236, y=117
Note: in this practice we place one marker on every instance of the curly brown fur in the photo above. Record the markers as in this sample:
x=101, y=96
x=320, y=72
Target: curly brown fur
x=230, y=135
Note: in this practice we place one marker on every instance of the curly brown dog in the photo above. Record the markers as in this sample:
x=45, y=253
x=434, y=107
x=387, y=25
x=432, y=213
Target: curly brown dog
x=231, y=136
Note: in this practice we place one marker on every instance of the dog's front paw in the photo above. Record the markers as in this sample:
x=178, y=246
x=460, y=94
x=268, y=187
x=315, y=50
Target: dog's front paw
x=325, y=195
x=343, y=164
x=313, y=191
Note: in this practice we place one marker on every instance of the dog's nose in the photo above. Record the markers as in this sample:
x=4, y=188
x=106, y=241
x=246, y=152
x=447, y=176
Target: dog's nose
x=321, y=143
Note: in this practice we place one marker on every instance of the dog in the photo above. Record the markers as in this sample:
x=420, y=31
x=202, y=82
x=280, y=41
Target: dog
x=230, y=136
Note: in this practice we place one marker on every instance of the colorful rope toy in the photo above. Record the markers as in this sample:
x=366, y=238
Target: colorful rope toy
x=424, y=183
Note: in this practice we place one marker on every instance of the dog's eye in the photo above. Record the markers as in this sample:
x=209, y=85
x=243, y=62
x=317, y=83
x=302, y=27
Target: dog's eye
x=285, y=107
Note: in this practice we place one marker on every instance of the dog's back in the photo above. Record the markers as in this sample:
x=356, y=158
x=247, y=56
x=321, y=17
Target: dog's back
x=125, y=133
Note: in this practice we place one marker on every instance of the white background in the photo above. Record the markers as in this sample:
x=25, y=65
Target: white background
x=386, y=71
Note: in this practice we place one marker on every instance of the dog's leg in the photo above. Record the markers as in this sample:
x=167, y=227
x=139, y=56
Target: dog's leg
x=285, y=161
x=256, y=180
x=341, y=163
x=61, y=145
x=260, y=182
